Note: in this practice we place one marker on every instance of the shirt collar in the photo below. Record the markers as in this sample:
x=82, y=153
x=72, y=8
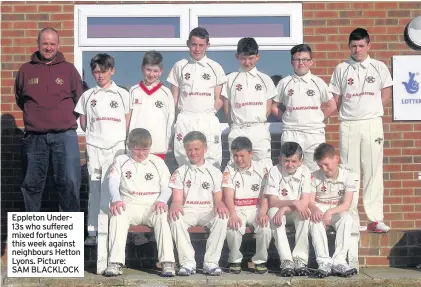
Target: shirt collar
x=203, y=62
x=196, y=168
x=296, y=175
x=306, y=78
x=113, y=88
x=144, y=162
x=364, y=64
x=252, y=72
x=248, y=171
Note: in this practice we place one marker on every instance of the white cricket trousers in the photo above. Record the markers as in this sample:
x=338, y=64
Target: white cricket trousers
x=202, y=217
x=98, y=162
x=342, y=222
x=136, y=214
x=235, y=237
x=308, y=142
x=208, y=124
x=259, y=135
x=361, y=143
x=301, y=248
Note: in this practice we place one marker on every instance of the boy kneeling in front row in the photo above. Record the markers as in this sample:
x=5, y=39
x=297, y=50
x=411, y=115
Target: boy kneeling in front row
x=197, y=198
x=243, y=184
x=333, y=187
x=138, y=184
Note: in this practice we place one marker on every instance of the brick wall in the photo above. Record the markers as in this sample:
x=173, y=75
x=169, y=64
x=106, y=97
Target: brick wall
x=326, y=28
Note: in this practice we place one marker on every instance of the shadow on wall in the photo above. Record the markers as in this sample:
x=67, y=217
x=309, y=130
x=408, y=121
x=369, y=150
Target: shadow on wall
x=407, y=250
x=11, y=172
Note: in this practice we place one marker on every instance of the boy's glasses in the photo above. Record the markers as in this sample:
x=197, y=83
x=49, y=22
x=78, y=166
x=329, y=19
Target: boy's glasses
x=305, y=60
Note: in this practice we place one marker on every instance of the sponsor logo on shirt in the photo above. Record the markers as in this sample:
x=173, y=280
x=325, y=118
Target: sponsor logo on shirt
x=106, y=119
x=197, y=202
x=142, y=193
x=59, y=81
x=349, y=95
x=246, y=201
x=200, y=94
x=290, y=109
x=239, y=105
x=33, y=81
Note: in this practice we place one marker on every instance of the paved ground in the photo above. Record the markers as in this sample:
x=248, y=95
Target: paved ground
x=369, y=277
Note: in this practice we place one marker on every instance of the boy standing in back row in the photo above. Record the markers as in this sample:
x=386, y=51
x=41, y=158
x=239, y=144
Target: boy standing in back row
x=196, y=85
x=247, y=97
x=104, y=116
x=301, y=96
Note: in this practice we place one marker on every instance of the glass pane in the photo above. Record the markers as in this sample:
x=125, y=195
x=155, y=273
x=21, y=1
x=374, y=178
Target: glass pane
x=128, y=63
x=133, y=27
x=257, y=26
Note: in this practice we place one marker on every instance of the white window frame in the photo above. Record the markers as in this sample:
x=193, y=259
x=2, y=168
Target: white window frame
x=188, y=14
x=291, y=10
x=127, y=11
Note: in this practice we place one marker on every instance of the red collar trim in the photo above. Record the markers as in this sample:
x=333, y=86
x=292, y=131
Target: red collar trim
x=151, y=91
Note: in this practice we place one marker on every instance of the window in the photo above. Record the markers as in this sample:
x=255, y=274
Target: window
x=127, y=31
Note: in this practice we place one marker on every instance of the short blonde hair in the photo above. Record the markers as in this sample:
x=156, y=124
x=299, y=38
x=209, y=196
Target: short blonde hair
x=140, y=137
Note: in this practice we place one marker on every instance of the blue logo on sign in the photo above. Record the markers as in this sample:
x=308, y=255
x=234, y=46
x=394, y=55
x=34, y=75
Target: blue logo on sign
x=411, y=86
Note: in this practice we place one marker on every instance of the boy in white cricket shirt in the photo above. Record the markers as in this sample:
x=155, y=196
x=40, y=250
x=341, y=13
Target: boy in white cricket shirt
x=362, y=86
x=152, y=104
x=196, y=85
x=139, y=194
x=242, y=185
x=104, y=117
x=247, y=97
x=301, y=96
x=196, y=199
x=333, y=187
x=288, y=192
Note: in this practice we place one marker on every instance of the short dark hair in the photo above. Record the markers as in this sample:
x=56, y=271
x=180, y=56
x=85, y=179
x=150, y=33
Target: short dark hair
x=288, y=149
x=47, y=29
x=104, y=61
x=241, y=143
x=247, y=46
x=152, y=58
x=300, y=49
x=200, y=33
x=193, y=136
x=324, y=150
x=359, y=34
x=140, y=137
x=276, y=79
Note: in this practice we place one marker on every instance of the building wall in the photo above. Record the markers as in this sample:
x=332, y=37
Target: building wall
x=326, y=29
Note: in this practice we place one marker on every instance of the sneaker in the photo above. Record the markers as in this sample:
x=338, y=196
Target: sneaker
x=212, y=269
x=91, y=240
x=300, y=267
x=139, y=239
x=342, y=270
x=186, y=271
x=354, y=263
x=287, y=268
x=114, y=269
x=235, y=268
x=167, y=269
x=324, y=270
x=378, y=227
x=260, y=268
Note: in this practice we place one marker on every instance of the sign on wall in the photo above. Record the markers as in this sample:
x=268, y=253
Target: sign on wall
x=406, y=88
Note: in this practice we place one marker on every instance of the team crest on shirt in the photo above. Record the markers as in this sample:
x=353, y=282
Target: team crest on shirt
x=93, y=103
x=179, y=137
x=370, y=79
x=136, y=101
x=323, y=189
x=114, y=104
x=255, y=187
x=258, y=87
x=128, y=174
x=205, y=185
x=290, y=92
x=92, y=120
x=226, y=177
x=159, y=104
x=284, y=192
x=59, y=81
x=188, y=183
x=206, y=76
x=350, y=81
x=341, y=192
x=187, y=76
x=237, y=184
x=216, y=140
x=149, y=176
x=310, y=93
x=173, y=177
x=239, y=87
